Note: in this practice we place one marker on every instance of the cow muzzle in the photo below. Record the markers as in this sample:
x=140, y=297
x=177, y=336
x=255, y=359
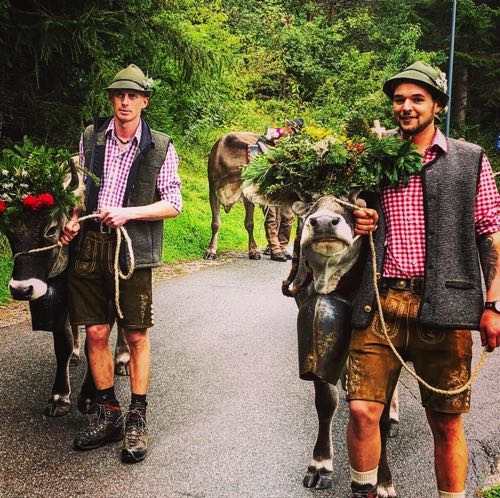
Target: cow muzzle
x=27, y=290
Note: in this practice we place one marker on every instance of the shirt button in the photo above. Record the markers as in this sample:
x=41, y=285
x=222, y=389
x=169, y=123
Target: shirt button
x=367, y=308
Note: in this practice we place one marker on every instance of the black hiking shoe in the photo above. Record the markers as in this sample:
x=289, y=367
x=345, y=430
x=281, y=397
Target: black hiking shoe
x=267, y=251
x=135, y=444
x=363, y=490
x=287, y=254
x=106, y=427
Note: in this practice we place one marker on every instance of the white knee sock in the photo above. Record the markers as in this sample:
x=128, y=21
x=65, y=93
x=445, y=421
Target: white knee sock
x=369, y=477
x=448, y=494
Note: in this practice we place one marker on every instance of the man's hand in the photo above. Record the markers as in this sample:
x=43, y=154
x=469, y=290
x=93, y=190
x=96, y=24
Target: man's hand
x=490, y=329
x=115, y=217
x=69, y=231
x=365, y=221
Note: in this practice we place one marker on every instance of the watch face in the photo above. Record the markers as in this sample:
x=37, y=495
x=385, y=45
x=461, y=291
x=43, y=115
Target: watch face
x=496, y=306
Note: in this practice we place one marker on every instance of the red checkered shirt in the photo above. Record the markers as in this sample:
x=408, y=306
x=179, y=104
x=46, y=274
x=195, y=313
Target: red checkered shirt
x=404, y=216
x=117, y=164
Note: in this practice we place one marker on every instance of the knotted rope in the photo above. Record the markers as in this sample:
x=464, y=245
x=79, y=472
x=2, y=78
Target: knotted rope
x=412, y=372
x=118, y=274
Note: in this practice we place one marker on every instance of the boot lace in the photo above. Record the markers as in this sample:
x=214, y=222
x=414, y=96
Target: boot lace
x=100, y=421
x=135, y=427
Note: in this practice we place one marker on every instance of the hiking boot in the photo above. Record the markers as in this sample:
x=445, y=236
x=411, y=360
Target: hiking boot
x=105, y=427
x=278, y=256
x=267, y=251
x=287, y=254
x=135, y=443
x=363, y=490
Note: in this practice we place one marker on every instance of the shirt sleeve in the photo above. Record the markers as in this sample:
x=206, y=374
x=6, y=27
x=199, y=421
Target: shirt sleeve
x=168, y=181
x=487, y=207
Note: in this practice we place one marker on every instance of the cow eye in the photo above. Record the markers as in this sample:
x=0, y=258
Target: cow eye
x=51, y=231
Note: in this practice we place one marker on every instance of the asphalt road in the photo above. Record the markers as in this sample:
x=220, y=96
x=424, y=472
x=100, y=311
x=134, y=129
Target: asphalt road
x=228, y=415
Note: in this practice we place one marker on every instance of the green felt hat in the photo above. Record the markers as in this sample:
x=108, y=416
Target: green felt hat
x=131, y=78
x=421, y=72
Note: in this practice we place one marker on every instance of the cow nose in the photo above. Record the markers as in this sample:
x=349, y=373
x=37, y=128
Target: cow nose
x=324, y=222
x=21, y=294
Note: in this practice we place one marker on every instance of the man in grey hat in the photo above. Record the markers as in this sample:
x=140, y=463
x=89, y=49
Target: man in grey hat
x=428, y=238
x=138, y=187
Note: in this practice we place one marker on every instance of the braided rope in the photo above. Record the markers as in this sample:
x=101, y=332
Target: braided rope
x=120, y=231
x=412, y=372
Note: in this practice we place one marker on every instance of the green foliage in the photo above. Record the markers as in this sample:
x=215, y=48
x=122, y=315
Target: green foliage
x=302, y=166
x=493, y=492
x=29, y=170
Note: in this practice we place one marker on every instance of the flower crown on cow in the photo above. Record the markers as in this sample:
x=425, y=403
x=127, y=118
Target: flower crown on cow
x=34, y=179
x=319, y=161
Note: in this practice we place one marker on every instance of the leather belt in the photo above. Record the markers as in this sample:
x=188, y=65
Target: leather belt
x=413, y=284
x=98, y=226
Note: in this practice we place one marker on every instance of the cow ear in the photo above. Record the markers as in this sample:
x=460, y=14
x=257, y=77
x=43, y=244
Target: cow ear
x=301, y=208
x=354, y=199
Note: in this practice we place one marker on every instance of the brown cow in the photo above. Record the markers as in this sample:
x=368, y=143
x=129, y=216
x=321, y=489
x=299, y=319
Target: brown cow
x=226, y=160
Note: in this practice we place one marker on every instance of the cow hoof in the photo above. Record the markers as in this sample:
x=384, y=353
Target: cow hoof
x=386, y=491
x=74, y=360
x=122, y=368
x=210, y=256
x=311, y=478
x=254, y=256
x=57, y=406
x=324, y=479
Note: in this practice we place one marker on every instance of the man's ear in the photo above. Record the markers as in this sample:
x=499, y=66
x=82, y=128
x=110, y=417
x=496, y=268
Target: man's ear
x=301, y=208
x=146, y=102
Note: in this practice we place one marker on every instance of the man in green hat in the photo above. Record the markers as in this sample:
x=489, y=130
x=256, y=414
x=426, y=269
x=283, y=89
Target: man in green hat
x=429, y=235
x=138, y=187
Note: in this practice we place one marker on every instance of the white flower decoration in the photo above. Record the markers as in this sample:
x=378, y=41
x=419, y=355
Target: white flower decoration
x=5, y=172
x=148, y=83
x=442, y=82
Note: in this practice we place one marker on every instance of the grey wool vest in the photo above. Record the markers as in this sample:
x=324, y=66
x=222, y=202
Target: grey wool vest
x=452, y=295
x=146, y=236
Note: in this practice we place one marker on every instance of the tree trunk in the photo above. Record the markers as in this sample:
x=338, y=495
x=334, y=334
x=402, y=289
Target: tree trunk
x=461, y=88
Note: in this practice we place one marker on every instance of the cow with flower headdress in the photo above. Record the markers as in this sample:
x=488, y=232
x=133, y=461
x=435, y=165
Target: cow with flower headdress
x=39, y=187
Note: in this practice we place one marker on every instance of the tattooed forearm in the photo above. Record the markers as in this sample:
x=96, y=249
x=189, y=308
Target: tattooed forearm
x=489, y=259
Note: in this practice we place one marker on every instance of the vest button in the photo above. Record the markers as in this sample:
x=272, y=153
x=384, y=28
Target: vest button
x=378, y=276
x=367, y=308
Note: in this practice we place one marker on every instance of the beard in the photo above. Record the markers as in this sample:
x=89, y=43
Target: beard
x=414, y=129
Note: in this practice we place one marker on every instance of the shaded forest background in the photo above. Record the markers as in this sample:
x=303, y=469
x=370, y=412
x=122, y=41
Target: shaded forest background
x=231, y=65
x=228, y=63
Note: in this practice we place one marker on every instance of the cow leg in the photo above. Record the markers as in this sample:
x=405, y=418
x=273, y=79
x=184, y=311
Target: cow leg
x=211, y=252
x=385, y=486
x=122, y=353
x=394, y=414
x=253, y=253
x=86, y=398
x=75, y=332
x=59, y=403
x=320, y=470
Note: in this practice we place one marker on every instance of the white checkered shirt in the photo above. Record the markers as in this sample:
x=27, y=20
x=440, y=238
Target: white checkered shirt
x=117, y=164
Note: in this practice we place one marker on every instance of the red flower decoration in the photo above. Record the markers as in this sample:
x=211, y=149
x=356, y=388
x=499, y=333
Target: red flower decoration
x=3, y=207
x=35, y=203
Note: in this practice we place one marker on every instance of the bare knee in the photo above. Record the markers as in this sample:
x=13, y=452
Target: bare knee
x=365, y=415
x=137, y=339
x=98, y=335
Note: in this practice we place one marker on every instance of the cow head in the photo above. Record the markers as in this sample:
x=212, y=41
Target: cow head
x=328, y=242
x=38, y=229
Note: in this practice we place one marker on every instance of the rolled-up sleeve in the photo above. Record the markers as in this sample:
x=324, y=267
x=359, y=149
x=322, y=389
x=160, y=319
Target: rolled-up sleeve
x=168, y=181
x=487, y=207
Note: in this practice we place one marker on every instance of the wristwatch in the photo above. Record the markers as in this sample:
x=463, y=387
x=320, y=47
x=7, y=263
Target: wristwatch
x=492, y=305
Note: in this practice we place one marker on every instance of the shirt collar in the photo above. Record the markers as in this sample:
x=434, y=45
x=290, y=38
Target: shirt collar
x=111, y=130
x=439, y=141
